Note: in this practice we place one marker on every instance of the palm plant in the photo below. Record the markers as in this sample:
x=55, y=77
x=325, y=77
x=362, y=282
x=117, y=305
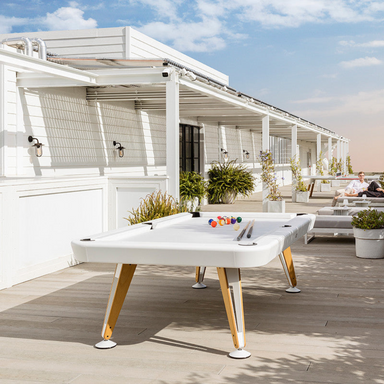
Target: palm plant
x=227, y=178
x=192, y=185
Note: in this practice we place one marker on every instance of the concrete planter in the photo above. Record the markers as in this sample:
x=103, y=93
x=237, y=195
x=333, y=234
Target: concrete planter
x=229, y=197
x=302, y=197
x=335, y=183
x=369, y=243
x=276, y=206
x=325, y=187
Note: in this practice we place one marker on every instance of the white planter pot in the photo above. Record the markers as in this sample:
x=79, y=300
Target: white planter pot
x=302, y=197
x=335, y=183
x=369, y=243
x=276, y=206
x=192, y=204
x=325, y=187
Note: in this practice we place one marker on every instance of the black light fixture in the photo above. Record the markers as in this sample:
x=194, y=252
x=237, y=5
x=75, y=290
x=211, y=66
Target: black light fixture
x=246, y=153
x=119, y=147
x=224, y=153
x=38, y=146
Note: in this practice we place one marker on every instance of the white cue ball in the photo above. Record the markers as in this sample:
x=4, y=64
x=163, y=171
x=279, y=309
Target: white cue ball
x=236, y=226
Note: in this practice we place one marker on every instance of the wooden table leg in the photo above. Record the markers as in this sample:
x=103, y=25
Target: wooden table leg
x=289, y=269
x=200, y=272
x=230, y=283
x=120, y=284
x=311, y=186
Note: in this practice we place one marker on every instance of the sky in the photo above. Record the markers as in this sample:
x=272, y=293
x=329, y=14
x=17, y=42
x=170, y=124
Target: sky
x=322, y=60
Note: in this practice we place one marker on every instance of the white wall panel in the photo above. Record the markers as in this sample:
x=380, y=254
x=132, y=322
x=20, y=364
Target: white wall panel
x=211, y=143
x=48, y=222
x=77, y=133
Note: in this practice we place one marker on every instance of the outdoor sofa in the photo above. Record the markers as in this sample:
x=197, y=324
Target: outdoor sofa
x=330, y=224
x=327, y=222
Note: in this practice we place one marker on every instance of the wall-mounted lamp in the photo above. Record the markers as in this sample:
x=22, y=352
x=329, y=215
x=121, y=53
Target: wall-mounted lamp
x=38, y=146
x=224, y=153
x=119, y=147
x=246, y=153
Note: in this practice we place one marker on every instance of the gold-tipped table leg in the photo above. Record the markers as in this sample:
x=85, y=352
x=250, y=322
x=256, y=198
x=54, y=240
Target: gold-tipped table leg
x=120, y=285
x=230, y=283
x=289, y=269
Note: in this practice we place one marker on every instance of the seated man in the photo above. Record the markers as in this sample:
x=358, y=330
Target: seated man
x=355, y=186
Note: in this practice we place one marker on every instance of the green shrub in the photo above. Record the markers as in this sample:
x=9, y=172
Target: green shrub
x=228, y=177
x=368, y=219
x=154, y=206
x=192, y=185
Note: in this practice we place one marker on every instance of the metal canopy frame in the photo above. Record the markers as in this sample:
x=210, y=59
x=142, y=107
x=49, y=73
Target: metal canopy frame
x=141, y=81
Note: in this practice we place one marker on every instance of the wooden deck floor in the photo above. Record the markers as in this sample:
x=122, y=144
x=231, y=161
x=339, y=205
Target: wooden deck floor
x=332, y=332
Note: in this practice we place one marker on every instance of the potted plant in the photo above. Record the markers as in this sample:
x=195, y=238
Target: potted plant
x=301, y=193
x=325, y=186
x=227, y=181
x=269, y=177
x=153, y=206
x=368, y=229
x=192, y=189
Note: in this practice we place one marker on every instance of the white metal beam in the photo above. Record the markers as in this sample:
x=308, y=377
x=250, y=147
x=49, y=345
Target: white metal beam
x=17, y=60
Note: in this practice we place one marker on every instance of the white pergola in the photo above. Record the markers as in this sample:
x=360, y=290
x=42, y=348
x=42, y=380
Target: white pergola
x=181, y=94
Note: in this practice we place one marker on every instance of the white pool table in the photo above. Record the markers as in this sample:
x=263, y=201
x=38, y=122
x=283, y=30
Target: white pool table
x=186, y=239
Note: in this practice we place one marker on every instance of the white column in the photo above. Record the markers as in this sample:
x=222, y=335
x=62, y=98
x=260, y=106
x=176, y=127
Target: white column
x=172, y=135
x=19, y=132
x=265, y=133
x=345, y=157
x=264, y=147
x=330, y=150
x=338, y=150
x=318, y=147
x=294, y=142
x=294, y=156
x=3, y=129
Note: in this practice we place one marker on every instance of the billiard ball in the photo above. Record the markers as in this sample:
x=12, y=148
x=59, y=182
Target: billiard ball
x=236, y=227
x=221, y=222
x=210, y=221
x=213, y=223
x=233, y=220
x=239, y=219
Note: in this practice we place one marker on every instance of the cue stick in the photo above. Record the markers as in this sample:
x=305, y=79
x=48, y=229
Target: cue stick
x=249, y=234
x=243, y=231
